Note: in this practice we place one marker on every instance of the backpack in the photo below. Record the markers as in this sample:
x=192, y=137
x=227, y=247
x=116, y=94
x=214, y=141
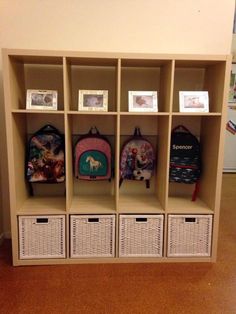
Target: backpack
x=137, y=159
x=46, y=156
x=185, y=158
x=93, y=157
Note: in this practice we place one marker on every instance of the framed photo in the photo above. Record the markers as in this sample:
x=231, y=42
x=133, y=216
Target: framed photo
x=93, y=100
x=143, y=101
x=232, y=86
x=193, y=101
x=41, y=99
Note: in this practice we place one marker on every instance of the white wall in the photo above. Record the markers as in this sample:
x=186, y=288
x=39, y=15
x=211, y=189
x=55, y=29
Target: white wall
x=197, y=26
x=158, y=26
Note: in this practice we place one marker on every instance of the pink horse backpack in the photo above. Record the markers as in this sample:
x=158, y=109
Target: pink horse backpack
x=93, y=157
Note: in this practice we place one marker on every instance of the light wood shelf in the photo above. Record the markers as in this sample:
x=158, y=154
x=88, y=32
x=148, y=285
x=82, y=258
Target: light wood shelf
x=184, y=205
x=67, y=72
x=36, y=205
x=37, y=111
x=92, y=204
x=196, y=114
x=139, y=204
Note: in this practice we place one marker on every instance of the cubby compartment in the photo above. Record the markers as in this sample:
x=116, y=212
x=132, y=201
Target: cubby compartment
x=91, y=74
x=34, y=72
x=189, y=235
x=146, y=75
x=140, y=235
x=207, y=131
x=90, y=195
x=42, y=237
x=92, y=236
x=134, y=196
x=200, y=76
x=35, y=197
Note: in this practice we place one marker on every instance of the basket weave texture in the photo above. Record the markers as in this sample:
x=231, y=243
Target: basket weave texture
x=141, y=235
x=41, y=237
x=92, y=236
x=189, y=235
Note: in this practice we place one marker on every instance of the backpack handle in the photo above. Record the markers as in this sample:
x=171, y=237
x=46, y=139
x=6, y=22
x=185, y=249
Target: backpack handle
x=93, y=130
x=137, y=132
x=181, y=127
x=47, y=128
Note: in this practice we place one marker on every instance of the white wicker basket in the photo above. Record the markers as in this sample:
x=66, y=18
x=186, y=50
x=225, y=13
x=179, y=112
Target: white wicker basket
x=92, y=236
x=189, y=235
x=41, y=237
x=141, y=235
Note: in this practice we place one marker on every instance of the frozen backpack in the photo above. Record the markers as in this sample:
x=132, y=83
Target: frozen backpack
x=93, y=157
x=137, y=159
x=46, y=156
x=185, y=157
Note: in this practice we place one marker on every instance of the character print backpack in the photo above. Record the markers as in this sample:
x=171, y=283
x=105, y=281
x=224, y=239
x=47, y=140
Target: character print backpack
x=185, y=158
x=46, y=156
x=137, y=159
x=93, y=157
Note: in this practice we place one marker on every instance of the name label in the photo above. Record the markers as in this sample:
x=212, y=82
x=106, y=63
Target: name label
x=182, y=146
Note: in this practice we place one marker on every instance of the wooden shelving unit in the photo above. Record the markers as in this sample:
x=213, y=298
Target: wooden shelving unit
x=67, y=72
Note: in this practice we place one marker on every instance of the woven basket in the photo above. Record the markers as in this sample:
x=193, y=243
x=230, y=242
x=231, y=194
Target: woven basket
x=189, y=235
x=141, y=235
x=41, y=237
x=92, y=236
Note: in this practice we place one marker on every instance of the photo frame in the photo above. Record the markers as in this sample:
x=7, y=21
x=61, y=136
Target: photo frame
x=143, y=101
x=232, y=86
x=93, y=100
x=37, y=99
x=192, y=101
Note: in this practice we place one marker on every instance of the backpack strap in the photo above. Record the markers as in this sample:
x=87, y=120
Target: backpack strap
x=195, y=192
x=120, y=181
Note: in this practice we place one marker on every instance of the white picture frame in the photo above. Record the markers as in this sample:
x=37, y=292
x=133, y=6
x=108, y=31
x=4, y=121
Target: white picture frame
x=37, y=99
x=143, y=101
x=192, y=101
x=92, y=100
x=232, y=86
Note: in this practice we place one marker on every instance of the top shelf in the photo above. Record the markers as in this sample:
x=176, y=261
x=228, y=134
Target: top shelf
x=42, y=54
x=69, y=72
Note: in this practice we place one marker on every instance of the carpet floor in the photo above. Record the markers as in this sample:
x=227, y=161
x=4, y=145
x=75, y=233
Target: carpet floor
x=191, y=288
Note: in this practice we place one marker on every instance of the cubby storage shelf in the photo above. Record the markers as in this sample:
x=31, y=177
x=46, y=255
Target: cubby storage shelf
x=132, y=204
x=144, y=113
x=37, y=205
x=92, y=204
x=179, y=205
x=37, y=111
x=100, y=113
x=210, y=114
x=68, y=72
